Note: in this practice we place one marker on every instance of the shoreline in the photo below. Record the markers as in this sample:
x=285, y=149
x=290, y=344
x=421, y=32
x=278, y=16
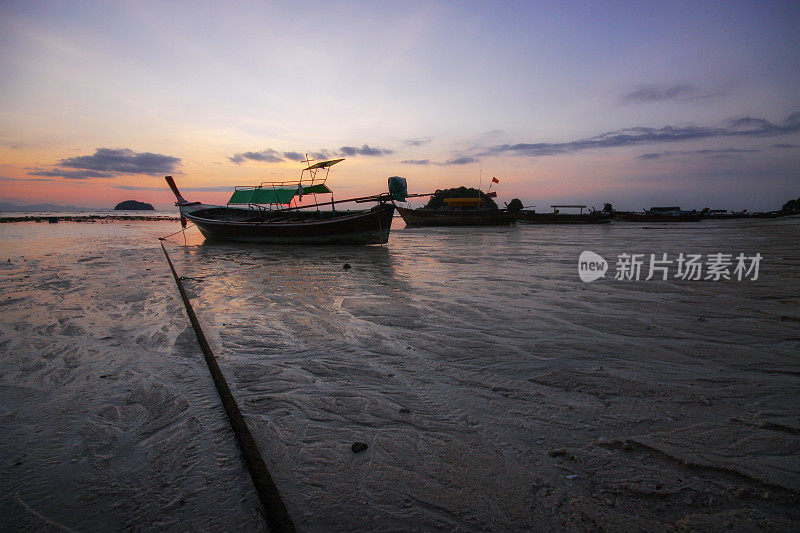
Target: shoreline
x=86, y=218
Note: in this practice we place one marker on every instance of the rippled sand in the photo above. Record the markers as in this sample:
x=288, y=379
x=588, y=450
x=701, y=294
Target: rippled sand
x=494, y=388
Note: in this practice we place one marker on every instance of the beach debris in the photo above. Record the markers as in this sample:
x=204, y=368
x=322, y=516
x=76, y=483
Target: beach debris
x=346, y=266
x=572, y=476
x=359, y=447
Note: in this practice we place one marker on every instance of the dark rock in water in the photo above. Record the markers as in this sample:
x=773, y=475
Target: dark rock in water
x=133, y=205
x=359, y=447
x=346, y=266
x=405, y=410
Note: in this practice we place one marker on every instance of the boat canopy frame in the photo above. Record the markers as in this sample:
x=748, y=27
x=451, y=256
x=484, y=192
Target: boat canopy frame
x=568, y=206
x=268, y=195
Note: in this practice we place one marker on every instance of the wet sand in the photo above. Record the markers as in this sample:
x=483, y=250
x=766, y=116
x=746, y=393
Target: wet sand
x=109, y=418
x=495, y=390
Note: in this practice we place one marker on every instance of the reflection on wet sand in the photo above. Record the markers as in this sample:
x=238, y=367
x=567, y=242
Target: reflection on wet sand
x=477, y=362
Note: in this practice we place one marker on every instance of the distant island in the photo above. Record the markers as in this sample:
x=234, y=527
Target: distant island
x=133, y=205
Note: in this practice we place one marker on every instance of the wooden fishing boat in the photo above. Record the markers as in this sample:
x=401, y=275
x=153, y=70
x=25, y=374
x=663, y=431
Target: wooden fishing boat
x=722, y=214
x=273, y=213
x=769, y=214
x=457, y=212
x=659, y=214
x=442, y=217
x=556, y=217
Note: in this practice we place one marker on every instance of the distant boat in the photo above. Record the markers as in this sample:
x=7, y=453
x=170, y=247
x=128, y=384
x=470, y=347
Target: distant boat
x=556, y=217
x=457, y=212
x=270, y=217
x=721, y=214
x=769, y=214
x=659, y=214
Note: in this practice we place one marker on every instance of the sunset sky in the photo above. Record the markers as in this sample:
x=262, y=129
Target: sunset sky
x=648, y=103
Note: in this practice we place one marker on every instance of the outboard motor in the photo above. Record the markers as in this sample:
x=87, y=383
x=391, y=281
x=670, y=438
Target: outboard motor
x=514, y=205
x=398, y=188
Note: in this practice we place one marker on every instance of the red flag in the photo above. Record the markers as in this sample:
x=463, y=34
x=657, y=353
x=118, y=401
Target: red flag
x=495, y=180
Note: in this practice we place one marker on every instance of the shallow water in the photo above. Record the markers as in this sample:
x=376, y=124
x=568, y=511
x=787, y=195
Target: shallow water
x=461, y=356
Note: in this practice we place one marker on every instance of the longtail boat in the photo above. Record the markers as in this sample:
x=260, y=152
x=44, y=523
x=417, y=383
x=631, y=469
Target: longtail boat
x=556, y=217
x=659, y=214
x=472, y=211
x=272, y=213
x=723, y=214
x=438, y=217
x=769, y=214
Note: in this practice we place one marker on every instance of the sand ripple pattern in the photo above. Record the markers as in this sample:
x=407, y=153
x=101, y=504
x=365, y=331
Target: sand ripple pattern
x=497, y=391
x=108, y=419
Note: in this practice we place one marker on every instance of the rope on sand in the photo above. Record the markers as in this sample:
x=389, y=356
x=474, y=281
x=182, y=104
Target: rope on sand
x=275, y=513
x=44, y=521
x=182, y=230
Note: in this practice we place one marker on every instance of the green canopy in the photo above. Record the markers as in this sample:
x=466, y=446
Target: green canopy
x=274, y=195
x=316, y=189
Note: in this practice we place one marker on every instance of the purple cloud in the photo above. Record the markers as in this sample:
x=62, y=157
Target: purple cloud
x=269, y=156
x=73, y=174
x=364, y=150
x=121, y=161
x=740, y=127
x=655, y=93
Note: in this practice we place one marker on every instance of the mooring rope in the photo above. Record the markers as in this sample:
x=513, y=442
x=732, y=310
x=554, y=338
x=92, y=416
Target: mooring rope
x=275, y=513
x=182, y=230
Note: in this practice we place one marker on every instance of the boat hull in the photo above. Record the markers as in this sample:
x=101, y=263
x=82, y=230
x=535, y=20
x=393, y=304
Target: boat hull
x=770, y=214
x=436, y=217
x=567, y=218
x=728, y=216
x=218, y=223
x=646, y=217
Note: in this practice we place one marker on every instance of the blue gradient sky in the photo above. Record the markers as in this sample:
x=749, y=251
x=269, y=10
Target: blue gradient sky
x=639, y=104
